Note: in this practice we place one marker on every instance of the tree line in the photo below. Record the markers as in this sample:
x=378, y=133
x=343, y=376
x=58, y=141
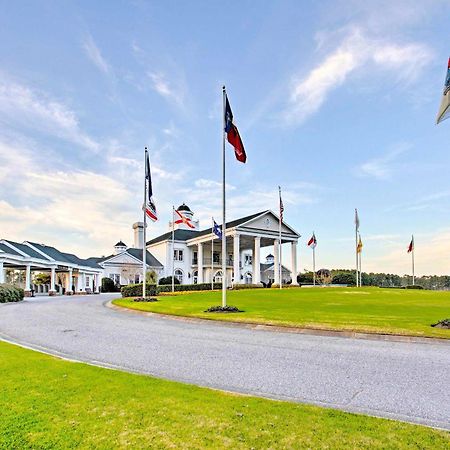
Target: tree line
x=348, y=277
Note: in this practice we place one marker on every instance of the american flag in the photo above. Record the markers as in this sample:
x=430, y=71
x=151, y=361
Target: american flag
x=149, y=206
x=281, y=205
x=411, y=245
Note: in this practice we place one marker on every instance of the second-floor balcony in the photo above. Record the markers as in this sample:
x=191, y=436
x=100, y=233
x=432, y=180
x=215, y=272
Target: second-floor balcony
x=216, y=261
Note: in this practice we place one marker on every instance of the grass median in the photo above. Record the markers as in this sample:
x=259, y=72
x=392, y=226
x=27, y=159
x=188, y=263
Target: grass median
x=46, y=403
x=370, y=310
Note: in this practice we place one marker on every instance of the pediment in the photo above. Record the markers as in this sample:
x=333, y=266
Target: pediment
x=268, y=222
x=122, y=258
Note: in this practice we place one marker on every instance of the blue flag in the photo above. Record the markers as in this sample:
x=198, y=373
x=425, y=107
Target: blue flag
x=217, y=230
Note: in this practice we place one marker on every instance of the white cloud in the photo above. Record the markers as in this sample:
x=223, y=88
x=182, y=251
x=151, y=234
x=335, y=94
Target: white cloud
x=94, y=54
x=165, y=88
x=383, y=166
x=23, y=106
x=355, y=52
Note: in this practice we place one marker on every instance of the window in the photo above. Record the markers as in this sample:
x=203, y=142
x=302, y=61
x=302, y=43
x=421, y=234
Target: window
x=179, y=275
x=178, y=255
x=88, y=281
x=195, y=276
x=216, y=257
x=248, y=260
x=195, y=258
x=136, y=278
x=218, y=277
x=115, y=277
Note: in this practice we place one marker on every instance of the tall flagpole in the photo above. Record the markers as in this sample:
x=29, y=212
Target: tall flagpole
x=144, y=249
x=173, y=249
x=360, y=265
x=314, y=265
x=212, y=253
x=224, y=227
x=412, y=257
x=279, y=245
x=356, y=246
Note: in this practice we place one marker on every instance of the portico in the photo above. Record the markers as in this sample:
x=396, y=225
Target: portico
x=245, y=238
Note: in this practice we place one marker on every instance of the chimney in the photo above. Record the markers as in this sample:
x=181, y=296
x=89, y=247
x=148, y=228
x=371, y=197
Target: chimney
x=138, y=228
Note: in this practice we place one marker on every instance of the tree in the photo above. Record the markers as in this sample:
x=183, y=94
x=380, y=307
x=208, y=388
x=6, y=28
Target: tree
x=305, y=278
x=168, y=280
x=108, y=285
x=344, y=278
x=151, y=277
x=41, y=278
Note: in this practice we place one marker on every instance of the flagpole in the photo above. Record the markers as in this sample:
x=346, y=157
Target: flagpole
x=212, y=253
x=279, y=246
x=173, y=248
x=356, y=246
x=314, y=259
x=224, y=227
x=144, y=252
x=412, y=257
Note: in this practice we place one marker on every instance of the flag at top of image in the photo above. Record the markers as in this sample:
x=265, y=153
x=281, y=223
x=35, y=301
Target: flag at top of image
x=411, y=245
x=356, y=219
x=233, y=136
x=444, y=110
x=312, y=242
x=180, y=218
x=281, y=205
x=217, y=230
x=149, y=207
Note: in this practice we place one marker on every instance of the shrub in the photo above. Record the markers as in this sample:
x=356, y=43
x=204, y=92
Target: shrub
x=108, y=285
x=344, y=278
x=9, y=293
x=168, y=280
x=135, y=290
x=189, y=287
x=415, y=286
x=238, y=287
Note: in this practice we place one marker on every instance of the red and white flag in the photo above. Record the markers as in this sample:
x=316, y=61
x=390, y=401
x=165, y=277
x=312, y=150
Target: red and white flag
x=180, y=218
x=312, y=242
x=281, y=205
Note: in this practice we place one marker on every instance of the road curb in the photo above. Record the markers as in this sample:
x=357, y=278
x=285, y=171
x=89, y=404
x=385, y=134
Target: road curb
x=282, y=329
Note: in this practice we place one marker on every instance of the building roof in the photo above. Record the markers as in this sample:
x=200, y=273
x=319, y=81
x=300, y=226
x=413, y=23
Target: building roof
x=184, y=207
x=120, y=244
x=179, y=235
x=135, y=253
x=26, y=249
x=10, y=251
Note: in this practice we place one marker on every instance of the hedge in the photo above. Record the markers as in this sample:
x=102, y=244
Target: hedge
x=9, y=293
x=238, y=287
x=135, y=290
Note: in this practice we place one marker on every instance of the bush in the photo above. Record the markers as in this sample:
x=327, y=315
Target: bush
x=108, y=285
x=344, y=278
x=9, y=293
x=190, y=287
x=238, y=287
x=168, y=280
x=135, y=290
x=415, y=286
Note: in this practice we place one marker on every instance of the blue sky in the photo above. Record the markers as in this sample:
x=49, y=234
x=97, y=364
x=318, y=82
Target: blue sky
x=335, y=101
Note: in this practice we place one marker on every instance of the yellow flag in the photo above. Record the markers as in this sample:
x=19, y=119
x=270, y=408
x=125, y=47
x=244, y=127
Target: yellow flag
x=360, y=246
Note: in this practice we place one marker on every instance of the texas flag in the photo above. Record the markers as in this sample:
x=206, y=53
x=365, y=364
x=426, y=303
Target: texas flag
x=312, y=242
x=233, y=136
x=411, y=245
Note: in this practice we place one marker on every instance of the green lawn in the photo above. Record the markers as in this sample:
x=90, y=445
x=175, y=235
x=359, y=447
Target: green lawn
x=373, y=310
x=48, y=403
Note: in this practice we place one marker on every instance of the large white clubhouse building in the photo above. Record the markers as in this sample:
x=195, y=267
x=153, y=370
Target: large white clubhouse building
x=194, y=257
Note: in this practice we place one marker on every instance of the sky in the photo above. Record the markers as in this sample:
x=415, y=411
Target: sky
x=335, y=101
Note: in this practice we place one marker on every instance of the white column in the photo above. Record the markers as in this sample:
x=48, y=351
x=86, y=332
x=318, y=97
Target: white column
x=79, y=282
x=2, y=273
x=236, y=259
x=69, y=287
x=276, y=267
x=256, y=278
x=28, y=278
x=83, y=281
x=97, y=283
x=200, y=263
x=294, y=262
x=52, y=281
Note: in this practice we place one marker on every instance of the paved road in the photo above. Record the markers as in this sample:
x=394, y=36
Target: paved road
x=407, y=381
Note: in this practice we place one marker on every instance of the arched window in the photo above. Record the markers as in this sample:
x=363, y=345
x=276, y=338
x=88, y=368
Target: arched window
x=218, y=277
x=195, y=276
x=248, y=278
x=179, y=275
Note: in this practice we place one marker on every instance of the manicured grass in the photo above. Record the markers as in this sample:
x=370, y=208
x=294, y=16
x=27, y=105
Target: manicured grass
x=50, y=403
x=372, y=310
